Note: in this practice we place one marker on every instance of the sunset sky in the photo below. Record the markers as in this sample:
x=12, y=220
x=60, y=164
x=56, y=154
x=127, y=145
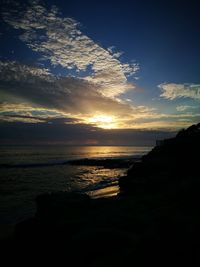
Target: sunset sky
x=98, y=72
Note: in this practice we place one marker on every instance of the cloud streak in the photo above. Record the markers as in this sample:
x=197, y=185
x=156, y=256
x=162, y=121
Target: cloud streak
x=182, y=108
x=74, y=134
x=172, y=91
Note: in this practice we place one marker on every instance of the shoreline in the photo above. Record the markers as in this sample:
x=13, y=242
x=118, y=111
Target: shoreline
x=154, y=220
x=106, y=162
x=101, y=187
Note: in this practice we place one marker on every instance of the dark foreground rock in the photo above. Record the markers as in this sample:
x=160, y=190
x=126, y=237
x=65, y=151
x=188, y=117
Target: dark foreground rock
x=154, y=221
x=173, y=163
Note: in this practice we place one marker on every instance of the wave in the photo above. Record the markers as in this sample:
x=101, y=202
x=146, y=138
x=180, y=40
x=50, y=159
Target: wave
x=105, y=188
x=33, y=164
x=110, y=162
x=99, y=185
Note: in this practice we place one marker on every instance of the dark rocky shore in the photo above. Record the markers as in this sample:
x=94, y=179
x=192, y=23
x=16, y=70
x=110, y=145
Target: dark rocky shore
x=105, y=163
x=155, y=220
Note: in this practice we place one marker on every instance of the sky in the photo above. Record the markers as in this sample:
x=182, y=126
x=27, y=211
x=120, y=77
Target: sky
x=98, y=72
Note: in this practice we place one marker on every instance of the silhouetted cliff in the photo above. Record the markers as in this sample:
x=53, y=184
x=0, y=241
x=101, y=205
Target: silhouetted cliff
x=173, y=162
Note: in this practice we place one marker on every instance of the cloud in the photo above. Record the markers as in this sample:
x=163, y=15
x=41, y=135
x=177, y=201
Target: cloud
x=25, y=90
x=162, y=125
x=75, y=134
x=10, y=117
x=93, y=96
x=11, y=70
x=24, y=112
x=173, y=90
x=61, y=41
x=32, y=94
x=185, y=107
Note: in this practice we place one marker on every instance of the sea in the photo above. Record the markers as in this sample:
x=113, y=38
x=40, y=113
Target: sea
x=29, y=171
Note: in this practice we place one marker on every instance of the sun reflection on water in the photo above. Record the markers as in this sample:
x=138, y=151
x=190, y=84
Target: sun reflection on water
x=109, y=191
x=102, y=182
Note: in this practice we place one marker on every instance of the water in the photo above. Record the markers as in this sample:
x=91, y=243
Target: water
x=40, y=169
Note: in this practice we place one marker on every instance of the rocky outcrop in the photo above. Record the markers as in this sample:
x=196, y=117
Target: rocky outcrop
x=174, y=162
x=106, y=163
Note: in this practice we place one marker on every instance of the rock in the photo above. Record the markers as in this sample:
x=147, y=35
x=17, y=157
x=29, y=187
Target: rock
x=169, y=163
x=56, y=205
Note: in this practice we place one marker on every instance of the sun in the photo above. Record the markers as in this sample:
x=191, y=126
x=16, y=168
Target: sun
x=103, y=121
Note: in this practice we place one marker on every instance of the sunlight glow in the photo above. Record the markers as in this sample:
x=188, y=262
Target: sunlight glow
x=103, y=121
